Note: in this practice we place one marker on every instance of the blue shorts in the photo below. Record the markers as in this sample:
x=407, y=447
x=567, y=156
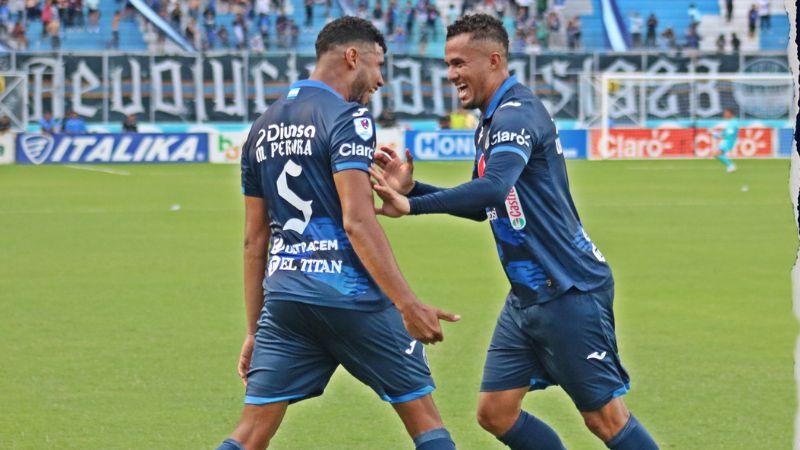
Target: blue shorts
x=298, y=346
x=568, y=341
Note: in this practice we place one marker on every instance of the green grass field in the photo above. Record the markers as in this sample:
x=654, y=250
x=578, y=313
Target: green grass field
x=121, y=319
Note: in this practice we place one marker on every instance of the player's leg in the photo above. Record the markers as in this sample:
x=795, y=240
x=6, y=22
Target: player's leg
x=256, y=427
x=722, y=156
x=578, y=328
x=376, y=348
x=288, y=365
x=513, y=368
x=424, y=425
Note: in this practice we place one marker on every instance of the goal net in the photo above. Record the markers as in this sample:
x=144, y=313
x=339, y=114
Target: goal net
x=682, y=111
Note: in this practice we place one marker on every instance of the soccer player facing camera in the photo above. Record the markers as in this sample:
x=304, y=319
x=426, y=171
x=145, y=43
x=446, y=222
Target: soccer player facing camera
x=557, y=324
x=332, y=292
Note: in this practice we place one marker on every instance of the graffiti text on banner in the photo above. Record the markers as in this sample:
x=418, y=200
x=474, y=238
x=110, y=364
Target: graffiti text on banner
x=656, y=143
x=111, y=148
x=451, y=145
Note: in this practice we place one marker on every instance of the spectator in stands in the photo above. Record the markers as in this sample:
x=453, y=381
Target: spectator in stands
x=452, y=13
x=115, y=30
x=48, y=14
x=377, y=16
x=728, y=10
x=637, y=24
x=542, y=35
x=130, y=124
x=431, y=14
x=61, y=8
x=574, y=33
x=763, y=13
x=652, y=28
x=692, y=37
x=263, y=30
x=93, y=7
x=694, y=15
x=240, y=32
x=721, y=43
x=191, y=31
x=75, y=125
x=19, y=36
x=76, y=10
x=54, y=31
x=5, y=124
x=519, y=42
x=554, y=30
x=176, y=15
x=751, y=21
x=5, y=16
x=49, y=124
x=410, y=14
x=210, y=27
x=32, y=10
x=224, y=38
x=668, y=39
x=309, y=4
x=735, y=43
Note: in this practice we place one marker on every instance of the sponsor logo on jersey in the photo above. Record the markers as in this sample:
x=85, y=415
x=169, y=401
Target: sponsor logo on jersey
x=511, y=104
x=292, y=93
x=360, y=112
x=522, y=138
x=353, y=149
x=514, y=209
x=481, y=165
x=363, y=127
x=597, y=355
x=283, y=131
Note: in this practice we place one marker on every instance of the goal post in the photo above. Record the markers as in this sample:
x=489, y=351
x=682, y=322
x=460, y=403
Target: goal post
x=692, y=102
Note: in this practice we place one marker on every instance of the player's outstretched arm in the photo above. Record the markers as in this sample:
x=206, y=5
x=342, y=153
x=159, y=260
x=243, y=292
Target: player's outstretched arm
x=256, y=240
x=372, y=247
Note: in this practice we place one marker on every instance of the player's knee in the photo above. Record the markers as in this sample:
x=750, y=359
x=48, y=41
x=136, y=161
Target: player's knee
x=496, y=420
x=605, y=424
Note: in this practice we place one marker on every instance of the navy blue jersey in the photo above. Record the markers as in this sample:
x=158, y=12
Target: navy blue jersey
x=289, y=158
x=542, y=245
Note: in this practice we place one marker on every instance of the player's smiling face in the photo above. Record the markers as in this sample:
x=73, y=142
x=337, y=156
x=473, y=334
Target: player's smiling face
x=468, y=65
x=369, y=77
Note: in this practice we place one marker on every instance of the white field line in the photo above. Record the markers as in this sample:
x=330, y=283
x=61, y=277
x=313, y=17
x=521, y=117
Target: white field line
x=97, y=169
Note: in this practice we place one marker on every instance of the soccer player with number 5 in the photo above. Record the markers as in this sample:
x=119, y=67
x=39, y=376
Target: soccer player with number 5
x=332, y=292
x=557, y=324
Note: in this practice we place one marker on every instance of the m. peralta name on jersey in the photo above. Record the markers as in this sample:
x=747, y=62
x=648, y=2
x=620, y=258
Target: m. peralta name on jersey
x=304, y=265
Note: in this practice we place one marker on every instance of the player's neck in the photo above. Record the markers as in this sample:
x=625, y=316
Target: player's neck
x=492, y=86
x=332, y=77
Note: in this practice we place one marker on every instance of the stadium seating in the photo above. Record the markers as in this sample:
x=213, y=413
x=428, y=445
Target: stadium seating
x=77, y=39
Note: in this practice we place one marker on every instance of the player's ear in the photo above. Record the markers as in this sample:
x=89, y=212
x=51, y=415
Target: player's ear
x=351, y=57
x=495, y=60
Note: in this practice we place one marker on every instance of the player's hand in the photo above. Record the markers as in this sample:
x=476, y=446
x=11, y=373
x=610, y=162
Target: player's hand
x=394, y=203
x=422, y=322
x=399, y=174
x=245, y=357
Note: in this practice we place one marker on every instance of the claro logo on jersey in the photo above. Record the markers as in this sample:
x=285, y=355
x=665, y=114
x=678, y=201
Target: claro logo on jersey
x=522, y=138
x=111, y=148
x=514, y=209
x=353, y=149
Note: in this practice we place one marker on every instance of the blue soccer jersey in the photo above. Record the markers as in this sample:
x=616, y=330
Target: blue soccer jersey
x=289, y=158
x=541, y=242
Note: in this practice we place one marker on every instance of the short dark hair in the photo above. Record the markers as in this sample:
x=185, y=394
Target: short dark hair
x=481, y=26
x=345, y=30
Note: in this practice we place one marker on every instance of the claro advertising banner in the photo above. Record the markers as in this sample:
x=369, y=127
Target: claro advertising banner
x=458, y=145
x=648, y=143
x=104, y=148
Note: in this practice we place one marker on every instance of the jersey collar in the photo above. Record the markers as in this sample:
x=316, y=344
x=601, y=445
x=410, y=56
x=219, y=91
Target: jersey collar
x=510, y=81
x=315, y=84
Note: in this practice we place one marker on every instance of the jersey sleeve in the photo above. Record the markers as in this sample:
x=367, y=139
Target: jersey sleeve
x=251, y=181
x=353, y=140
x=511, y=132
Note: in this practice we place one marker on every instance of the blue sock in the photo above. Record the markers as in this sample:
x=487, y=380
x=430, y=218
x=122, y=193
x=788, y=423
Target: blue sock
x=230, y=444
x=530, y=433
x=633, y=436
x=725, y=160
x=437, y=439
